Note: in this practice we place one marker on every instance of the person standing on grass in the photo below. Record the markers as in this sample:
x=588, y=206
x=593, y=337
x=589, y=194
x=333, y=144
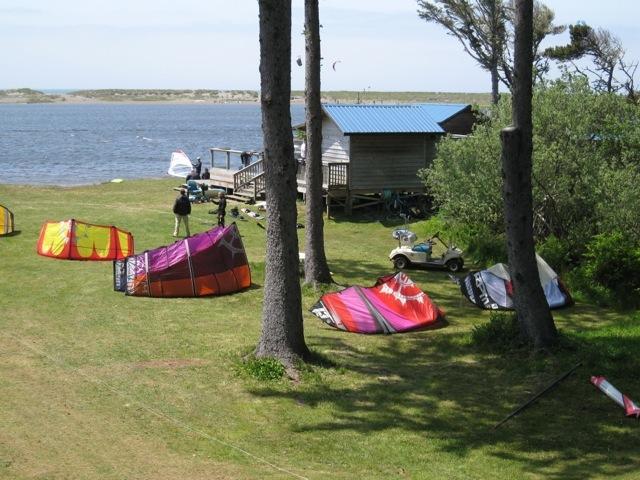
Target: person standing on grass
x=182, y=209
x=222, y=209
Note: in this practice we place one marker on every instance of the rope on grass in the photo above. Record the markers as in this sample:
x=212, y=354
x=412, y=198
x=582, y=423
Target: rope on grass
x=157, y=413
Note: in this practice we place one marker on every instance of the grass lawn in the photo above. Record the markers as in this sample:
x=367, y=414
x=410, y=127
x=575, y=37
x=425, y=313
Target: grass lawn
x=97, y=385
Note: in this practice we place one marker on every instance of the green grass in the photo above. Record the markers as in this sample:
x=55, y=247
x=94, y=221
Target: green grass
x=96, y=385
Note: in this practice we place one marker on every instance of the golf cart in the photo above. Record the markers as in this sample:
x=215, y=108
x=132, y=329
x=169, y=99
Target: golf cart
x=433, y=252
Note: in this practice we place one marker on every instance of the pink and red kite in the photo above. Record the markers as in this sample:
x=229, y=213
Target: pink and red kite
x=393, y=305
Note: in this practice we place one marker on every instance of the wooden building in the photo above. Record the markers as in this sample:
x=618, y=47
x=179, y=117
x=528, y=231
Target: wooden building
x=382, y=147
x=366, y=150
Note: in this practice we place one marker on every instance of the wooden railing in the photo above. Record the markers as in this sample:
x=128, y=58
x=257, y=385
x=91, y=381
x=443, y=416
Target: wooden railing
x=227, y=152
x=259, y=185
x=334, y=174
x=247, y=175
x=338, y=174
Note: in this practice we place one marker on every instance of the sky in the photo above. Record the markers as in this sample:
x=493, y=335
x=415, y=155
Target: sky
x=379, y=45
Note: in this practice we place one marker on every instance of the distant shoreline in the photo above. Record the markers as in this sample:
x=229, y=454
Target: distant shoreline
x=216, y=97
x=78, y=100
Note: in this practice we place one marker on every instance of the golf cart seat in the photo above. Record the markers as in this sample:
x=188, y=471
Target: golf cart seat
x=194, y=191
x=422, y=247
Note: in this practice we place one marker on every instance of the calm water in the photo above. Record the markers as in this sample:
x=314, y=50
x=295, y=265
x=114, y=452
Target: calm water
x=60, y=144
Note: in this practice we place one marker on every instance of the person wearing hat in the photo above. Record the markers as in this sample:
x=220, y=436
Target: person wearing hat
x=181, y=210
x=198, y=167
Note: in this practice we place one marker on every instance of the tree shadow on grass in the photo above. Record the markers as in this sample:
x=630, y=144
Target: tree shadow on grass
x=436, y=385
x=357, y=217
x=374, y=215
x=581, y=316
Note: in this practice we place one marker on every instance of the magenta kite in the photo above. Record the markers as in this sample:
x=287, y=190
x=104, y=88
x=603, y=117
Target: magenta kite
x=393, y=305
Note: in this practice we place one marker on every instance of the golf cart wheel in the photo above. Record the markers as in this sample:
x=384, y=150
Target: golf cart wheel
x=401, y=262
x=454, y=265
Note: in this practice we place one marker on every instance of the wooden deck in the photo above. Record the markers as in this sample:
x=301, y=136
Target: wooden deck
x=220, y=177
x=249, y=181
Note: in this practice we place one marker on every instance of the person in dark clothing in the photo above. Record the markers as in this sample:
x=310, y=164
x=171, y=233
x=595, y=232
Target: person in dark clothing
x=206, y=175
x=222, y=209
x=245, y=159
x=193, y=175
x=198, y=166
x=181, y=210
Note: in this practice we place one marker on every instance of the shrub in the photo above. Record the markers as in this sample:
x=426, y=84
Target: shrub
x=487, y=249
x=501, y=334
x=481, y=244
x=264, y=369
x=585, y=168
x=610, y=272
x=557, y=253
x=434, y=225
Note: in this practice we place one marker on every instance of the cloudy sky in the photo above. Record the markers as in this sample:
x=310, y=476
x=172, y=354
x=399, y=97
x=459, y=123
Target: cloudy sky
x=213, y=44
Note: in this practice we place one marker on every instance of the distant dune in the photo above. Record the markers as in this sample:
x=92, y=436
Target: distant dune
x=27, y=95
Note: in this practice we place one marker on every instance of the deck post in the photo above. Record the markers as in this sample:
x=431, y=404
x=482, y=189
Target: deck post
x=228, y=160
x=348, y=206
x=212, y=162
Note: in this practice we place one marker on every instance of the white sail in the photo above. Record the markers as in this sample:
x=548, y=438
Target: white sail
x=180, y=164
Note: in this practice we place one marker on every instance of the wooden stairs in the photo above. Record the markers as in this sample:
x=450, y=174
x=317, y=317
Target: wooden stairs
x=249, y=183
x=246, y=194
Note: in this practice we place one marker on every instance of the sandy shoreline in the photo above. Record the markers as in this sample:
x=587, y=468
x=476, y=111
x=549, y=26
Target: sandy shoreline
x=218, y=97
x=75, y=100
x=68, y=99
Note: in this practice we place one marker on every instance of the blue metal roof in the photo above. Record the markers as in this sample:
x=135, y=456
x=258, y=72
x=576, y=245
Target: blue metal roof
x=441, y=112
x=382, y=119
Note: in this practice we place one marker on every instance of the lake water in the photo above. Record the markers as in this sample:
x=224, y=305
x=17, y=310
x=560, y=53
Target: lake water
x=58, y=144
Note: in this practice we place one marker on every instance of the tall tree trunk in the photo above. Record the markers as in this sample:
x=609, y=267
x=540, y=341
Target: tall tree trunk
x=530, y=303
x=316, y=269
x=497, y=40
x=609, y=74
x=282, y=330
x=495, y=85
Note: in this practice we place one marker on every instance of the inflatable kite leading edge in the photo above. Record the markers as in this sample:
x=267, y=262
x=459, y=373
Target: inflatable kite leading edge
x=491, y=289
x=210, y=263
x=393, y=305
x=6, y=221
x=75, y=240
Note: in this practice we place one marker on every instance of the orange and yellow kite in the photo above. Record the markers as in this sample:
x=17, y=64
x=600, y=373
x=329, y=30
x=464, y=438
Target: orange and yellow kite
x=6, y=221
x=75, y=240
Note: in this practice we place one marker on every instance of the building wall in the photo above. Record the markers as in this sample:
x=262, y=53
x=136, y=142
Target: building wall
x=460, y=124
x=389, y=161
x=335, y=145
